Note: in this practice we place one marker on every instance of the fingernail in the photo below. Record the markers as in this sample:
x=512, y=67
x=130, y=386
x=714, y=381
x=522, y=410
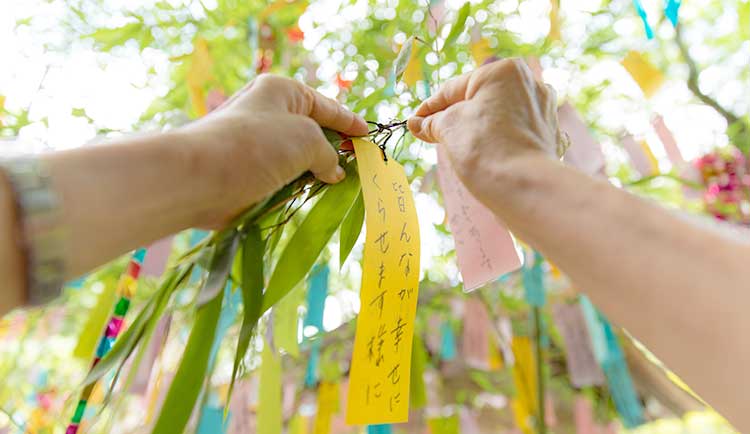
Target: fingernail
x=340, y=174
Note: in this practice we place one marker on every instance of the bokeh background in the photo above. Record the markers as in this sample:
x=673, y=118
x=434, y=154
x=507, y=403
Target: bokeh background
x=75, y=72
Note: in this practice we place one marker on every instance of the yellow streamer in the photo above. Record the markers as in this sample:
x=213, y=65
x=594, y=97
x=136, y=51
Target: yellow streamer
x=381, y=363
x=643, y=72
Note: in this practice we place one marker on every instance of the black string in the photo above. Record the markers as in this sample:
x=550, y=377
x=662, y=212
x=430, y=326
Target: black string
x=383, y=132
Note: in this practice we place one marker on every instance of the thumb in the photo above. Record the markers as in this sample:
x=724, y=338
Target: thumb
x=426, y=128
x=325, y=164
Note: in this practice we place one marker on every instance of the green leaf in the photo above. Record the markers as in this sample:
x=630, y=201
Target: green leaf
x=109, y=38
x=188, y=381
x=402, y=60
x=458, y=26
x=311, y=237
x=221, y=265
x=351, y=228
x=253, y=248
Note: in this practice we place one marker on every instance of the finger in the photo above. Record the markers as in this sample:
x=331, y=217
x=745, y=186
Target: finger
x=329, y=113
x=427, y=128
x=325, y=161
x=452, y=92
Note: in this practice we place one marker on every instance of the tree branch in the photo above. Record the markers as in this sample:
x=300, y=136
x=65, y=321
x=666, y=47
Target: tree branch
x=692, y=82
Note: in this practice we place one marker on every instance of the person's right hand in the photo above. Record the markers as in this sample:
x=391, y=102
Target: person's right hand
x=489, y=118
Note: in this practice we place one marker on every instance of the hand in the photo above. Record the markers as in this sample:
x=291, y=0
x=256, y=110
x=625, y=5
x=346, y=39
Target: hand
x=487, y=119
x=265, y=136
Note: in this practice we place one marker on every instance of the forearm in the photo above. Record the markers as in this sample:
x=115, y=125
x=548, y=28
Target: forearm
x=115, y=197
x=677, y=287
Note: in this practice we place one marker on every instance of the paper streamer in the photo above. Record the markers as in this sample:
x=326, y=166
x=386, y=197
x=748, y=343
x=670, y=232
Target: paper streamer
x=554, y=20
x=380, y=429
x=484, y=248
x=448, y=342
x=583, y=416
x=157, y=257
x=620, y=383
x=328, y=404
x=381, y=361
x=311, y=373
x=126, y=290
x=212, y=421
x=155, y=346
x=533, y=281
x=468, y=422
x=642, y=163
x=475, y=338
x=286, y=321
x=444, y=425
x=667, y=139
x=672, y=10
x=316, y=297
x=644, y=17
x=583, y=368
x=643, y=72
x=608, y=353
x=243, y=420
x=269, y=407
x=524, y=379
x=584, y=153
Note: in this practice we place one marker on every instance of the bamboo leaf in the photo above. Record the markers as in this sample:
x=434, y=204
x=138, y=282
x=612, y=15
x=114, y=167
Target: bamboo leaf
x=351, y=228
x=402, y=60
x=221, y=265
x=458, y=26
x=311, y=237
x=191, y=374
x=253, y=249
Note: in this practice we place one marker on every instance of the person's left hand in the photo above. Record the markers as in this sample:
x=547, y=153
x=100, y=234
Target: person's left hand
x=263, y=137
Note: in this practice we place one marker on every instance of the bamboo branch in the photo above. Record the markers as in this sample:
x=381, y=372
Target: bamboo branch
x=692, y=83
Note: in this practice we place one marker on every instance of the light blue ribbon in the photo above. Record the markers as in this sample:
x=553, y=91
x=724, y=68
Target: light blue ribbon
x=533, y=281
x=672, y=10
x=448, y=342
x=380, y=429
x=316, y=296
x=644, y=17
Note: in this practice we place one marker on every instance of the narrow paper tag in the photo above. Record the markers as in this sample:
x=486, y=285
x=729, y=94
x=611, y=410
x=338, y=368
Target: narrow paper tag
x=328, y=405
x=524, y=375
x=643, y=72
x=582, y=367
x=667, y=139
x=269, y=408
x=381, y=362
x=584, y=153
x=484, y=248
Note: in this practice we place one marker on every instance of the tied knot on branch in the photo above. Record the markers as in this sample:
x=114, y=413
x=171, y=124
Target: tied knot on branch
x=382, y=133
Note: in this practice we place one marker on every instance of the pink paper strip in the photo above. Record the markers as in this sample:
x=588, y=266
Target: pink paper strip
x=584, y=416
x=584, y=153
x=156, y=257
x=667, y=139
x=637, y=156
x=475, y=337
x=582, y=366
x=155, y=346
x=484, y=247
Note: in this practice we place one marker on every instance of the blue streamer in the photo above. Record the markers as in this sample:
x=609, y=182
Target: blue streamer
x=620, y=382
x=311, y=374
x=380, y=429
x=212, y=420
x=316, y=296
x=533, y=281
x=610, y=357
x=672, y=10
x=644, y=17
x=448, y=343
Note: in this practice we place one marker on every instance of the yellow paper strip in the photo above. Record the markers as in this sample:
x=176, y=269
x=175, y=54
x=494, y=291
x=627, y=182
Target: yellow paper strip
x=381, y=363
x=269, y=409
x=524, y=379
x=643, y=72
x=328, y=405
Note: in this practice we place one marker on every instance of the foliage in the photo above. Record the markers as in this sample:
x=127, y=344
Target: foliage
x=382, y=63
